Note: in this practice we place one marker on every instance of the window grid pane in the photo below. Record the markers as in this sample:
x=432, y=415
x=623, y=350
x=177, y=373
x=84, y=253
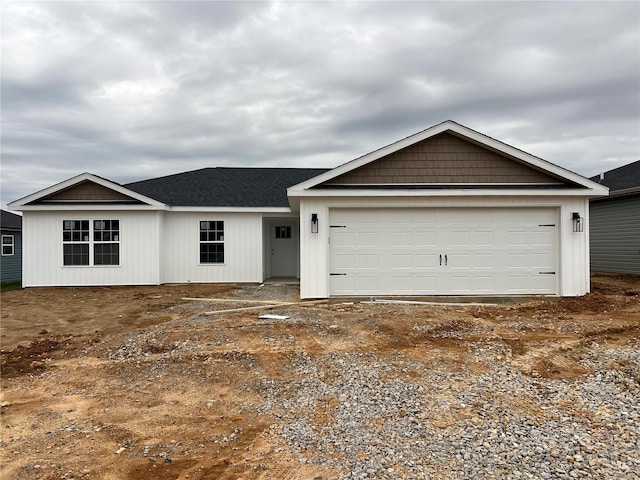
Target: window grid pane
x=76, y=254
x=106, y=254
x=212, y=253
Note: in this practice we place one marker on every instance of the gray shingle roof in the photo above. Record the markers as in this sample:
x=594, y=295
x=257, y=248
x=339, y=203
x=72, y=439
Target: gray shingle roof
x=627, y=176
x=225, y=187
x=10, y=221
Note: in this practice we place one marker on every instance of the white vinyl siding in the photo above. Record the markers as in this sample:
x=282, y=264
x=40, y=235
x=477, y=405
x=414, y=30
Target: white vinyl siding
x=242, y=248
x=138, y=256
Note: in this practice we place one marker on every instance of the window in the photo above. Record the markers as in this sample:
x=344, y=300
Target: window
x=106, y=237
x=212, y=242
x=7, y=245
x=75, y=239
x=283, y=232
x=84, y=241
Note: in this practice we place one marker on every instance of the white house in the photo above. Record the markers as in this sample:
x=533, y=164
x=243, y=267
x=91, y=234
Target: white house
x=447, y=211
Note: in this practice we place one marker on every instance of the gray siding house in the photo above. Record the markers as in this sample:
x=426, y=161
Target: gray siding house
x=11, y=258
x=615, y=222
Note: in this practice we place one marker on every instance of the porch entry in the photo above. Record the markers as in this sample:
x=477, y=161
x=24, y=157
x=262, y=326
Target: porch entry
x=282, y=248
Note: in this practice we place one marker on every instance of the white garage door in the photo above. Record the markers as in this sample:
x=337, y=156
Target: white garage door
x=469, y=251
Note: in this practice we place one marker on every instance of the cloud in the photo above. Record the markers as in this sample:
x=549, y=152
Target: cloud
x=133, y=90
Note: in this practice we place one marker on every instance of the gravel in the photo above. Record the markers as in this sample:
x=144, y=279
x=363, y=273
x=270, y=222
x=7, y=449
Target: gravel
x=369, y=417
x=365, y=415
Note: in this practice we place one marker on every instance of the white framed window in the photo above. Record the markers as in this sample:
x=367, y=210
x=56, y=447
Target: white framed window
x=87, y=242
x=8, y=245
x=211, y=241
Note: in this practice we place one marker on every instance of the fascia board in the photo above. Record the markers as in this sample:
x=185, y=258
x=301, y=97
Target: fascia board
x=67, y=207
x=624, y=192
x=525, y=157
x=453, y=192
x=232, y=209
x=22, y=202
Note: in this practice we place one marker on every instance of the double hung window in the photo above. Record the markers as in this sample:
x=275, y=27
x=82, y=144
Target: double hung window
x=87, y=242
x=212, y=241
x=8, y=243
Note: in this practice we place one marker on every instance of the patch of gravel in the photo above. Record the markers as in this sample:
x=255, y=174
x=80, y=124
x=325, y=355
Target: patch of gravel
x=371, y=417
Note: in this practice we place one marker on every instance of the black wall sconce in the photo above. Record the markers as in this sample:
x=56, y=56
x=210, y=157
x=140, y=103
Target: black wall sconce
x=314, y=223
x=577, y=222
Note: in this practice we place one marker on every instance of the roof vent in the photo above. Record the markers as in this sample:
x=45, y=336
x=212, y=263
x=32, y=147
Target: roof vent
x=602, y=176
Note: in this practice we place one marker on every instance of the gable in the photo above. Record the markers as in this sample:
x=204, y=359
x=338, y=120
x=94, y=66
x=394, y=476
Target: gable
x=444, y=159
x=87, y=192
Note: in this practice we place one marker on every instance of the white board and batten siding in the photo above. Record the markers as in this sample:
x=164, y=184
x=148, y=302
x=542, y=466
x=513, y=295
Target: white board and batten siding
x=155, y=248
x=242, y=248
x=491, y=246
x=139, y=250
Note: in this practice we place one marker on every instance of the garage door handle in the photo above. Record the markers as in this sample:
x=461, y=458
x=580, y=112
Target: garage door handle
x=334, y=274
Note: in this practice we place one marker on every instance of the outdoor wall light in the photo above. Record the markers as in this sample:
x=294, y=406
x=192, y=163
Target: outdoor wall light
x=314, y=223
x=577, y=222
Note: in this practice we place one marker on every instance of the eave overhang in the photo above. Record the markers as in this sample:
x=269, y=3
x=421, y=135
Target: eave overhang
x=449, y=192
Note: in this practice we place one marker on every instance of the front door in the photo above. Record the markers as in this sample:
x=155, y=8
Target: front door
x=284, y=250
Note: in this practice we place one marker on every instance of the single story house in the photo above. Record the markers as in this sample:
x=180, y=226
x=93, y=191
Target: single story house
x=11, y=257
x=615, y=222
x=446, y=211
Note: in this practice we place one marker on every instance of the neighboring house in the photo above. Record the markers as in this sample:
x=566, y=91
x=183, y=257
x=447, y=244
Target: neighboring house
x=447, y=211
x=615, y=222
x=11, y=258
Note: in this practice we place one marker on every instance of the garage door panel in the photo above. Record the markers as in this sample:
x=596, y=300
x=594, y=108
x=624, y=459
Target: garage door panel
x=368, y=261
x=425, y=238
x=402, y=261
x=425, y=260
x=484, y=260
x=516, y=238
x=541, y=238
x=460, y=238
x=347, y=261
x=488, y=251
x=399, y=239
x=368, y=239
x=542, y=261
x=483, y=238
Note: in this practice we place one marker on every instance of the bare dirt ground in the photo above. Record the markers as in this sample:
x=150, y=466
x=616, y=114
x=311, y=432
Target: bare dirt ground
x=135, y=383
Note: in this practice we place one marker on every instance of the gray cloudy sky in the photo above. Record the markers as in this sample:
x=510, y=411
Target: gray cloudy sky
x=135, y=90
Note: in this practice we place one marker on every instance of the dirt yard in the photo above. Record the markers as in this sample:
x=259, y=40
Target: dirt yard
x=136, y=383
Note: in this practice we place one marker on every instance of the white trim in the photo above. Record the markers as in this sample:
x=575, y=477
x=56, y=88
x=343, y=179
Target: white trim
x=89, y=207
x=12, y=245
x=22, y=202
x=231, y=209
x=111, y=207
x=456, y=185
x=449, y=192
x=463, y=131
